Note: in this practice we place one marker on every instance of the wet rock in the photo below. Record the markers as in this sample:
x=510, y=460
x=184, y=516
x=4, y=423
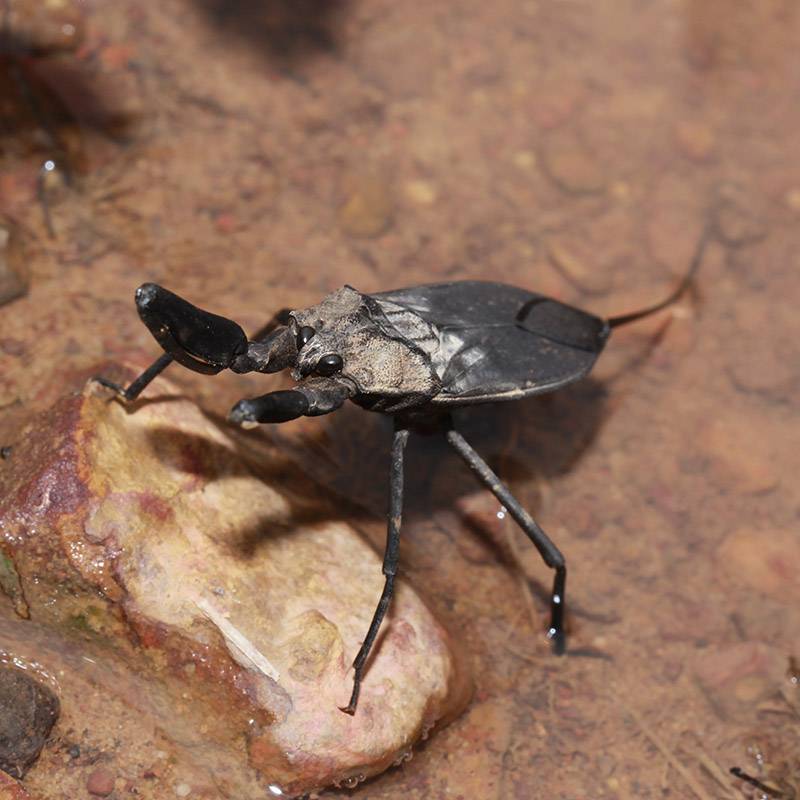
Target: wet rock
x=11, y=790
x=28, y=711
x=367, y=210
x=153, y=523
x=12, y=281
x=11, y=587
x=100, y=782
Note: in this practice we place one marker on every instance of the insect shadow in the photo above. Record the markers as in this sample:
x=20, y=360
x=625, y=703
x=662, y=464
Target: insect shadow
x=535, y=442
x=203, y=458
x=287, y=32
x=541, y=438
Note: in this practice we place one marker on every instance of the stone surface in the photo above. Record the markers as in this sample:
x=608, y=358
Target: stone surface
x=739, y=453
x=12, y=279
x=766, y=560
x=100, y=782
x=367, y=208
x=28, y=711
x=572, y=166
x=148, y=523
x=47, y=27
x=11, y=789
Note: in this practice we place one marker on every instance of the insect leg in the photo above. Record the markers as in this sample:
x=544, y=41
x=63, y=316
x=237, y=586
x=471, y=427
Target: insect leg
x=550, y=554
x=278, y=318
x=762, y=787
x=202, y=341
x=138, y=385
x=390, y=560
x=315, y=397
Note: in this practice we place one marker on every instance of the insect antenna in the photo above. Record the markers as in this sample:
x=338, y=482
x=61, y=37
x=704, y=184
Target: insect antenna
x=697, y=260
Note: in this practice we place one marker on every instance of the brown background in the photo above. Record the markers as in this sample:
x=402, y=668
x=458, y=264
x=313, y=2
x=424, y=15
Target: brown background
x=256, y=155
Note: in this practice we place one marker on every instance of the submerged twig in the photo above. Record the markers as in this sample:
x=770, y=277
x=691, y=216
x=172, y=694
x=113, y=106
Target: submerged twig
x=687, y=776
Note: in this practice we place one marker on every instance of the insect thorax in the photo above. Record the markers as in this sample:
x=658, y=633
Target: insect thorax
x=379, y=358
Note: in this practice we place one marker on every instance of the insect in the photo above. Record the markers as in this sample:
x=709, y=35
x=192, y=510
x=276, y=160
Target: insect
x=415, y=354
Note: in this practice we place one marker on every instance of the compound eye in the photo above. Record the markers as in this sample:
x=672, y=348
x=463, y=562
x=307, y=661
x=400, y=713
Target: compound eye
x=304, y=336
x=329, y=365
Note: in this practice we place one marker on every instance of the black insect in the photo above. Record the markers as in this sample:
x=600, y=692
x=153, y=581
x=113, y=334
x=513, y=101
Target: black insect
x=413, y=353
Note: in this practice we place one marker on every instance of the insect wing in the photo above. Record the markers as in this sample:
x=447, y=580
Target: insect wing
x=500, y=342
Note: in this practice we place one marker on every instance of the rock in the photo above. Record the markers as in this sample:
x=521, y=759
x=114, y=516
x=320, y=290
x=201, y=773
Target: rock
x=695, y=140
x=28, y=711
x=367, y=209
x=46, y=28
x=739, y=220
x=589, y=276
x=12, y=282
x=571, y=165
x=739, y=452
x=758, y=368
x=247, y=593
x=10, y=585
x=737, y=676
x=767, y=560
x=100, y=782
x=792, y=199
x=11, y=790
x=421, y=192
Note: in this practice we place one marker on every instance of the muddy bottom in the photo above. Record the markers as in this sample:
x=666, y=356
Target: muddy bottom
x=254, y=156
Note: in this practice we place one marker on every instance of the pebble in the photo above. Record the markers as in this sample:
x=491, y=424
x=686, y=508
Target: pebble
x=421, y=192
x=570, y=164
x=368, y=208
x=28, y=711
x=738, y=220
x=739, y=452
x=740, y=674
x=762, y=370
x=587, y=276
x=696, y=141
x=100, y=782
x=525, y=159
x=766, y=560
x=183, y=790
x=47, y=27
x=792, y=199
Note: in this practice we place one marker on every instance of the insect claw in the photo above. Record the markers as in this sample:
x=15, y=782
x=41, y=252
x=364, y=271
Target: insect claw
x=200, y=340
x=115, y=387
x=280, y=406
x=559, y=641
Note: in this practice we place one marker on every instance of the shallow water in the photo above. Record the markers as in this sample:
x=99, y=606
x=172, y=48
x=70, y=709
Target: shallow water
x=256, y=155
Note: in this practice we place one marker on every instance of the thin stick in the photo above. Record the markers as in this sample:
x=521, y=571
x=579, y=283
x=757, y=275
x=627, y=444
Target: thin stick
x=669, y=756
x=715, y=771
